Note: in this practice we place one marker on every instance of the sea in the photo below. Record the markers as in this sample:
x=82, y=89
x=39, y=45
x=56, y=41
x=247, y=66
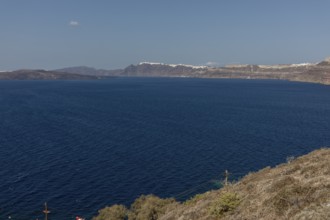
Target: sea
x=83, y=145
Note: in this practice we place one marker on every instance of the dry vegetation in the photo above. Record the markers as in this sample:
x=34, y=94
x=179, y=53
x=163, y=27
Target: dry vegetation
x=298, y=189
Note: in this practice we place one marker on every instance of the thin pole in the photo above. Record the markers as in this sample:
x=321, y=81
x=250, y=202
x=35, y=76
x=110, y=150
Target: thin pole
x=226, y=177
x=46, y=211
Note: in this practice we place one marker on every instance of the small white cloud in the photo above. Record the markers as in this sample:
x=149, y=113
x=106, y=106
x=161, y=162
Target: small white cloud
x=73, y=23
x=211, y=63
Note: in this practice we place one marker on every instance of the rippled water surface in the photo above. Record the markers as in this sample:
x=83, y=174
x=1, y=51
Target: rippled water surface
x=81, y=145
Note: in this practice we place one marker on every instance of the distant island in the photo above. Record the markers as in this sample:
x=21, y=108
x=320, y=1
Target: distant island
x=304, y=72
x=297, y=189
x=43, y=75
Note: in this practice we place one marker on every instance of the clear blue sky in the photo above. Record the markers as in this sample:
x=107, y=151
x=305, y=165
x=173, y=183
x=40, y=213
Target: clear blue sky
x=115, y=33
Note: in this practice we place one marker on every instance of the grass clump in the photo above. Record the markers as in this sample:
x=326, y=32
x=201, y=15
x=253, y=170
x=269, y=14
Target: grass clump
x=227, y=202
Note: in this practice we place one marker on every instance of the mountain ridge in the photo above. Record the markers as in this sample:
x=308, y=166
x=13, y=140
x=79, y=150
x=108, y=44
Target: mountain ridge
x=305, y=72
x=27, y=74
x=85, y=70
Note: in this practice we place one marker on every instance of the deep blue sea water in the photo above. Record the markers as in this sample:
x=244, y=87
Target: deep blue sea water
x=81, y=145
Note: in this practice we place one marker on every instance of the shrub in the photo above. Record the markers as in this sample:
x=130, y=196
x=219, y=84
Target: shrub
x=148, y=207
x=226, y=203
x=115, y=212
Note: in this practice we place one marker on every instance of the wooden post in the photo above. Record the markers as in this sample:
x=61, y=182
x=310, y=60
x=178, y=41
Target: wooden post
x=226, y=177
x=46, y=211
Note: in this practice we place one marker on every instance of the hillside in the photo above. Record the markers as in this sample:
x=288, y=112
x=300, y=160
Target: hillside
x=298, y=189
x=42, y=75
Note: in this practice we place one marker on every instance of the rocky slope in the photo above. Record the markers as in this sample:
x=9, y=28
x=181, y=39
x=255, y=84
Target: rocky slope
x=298, y=189
x=42, y=75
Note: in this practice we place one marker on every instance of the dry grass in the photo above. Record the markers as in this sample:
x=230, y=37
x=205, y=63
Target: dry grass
x=299, y=189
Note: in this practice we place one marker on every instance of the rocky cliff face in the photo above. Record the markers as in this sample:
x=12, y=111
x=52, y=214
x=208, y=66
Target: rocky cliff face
x=146, y=69
x=318, y=73
x=325, y=63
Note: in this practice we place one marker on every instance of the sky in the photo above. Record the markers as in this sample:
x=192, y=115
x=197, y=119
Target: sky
x=110, y=34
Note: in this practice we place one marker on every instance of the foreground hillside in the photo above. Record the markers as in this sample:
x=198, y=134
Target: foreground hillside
x=298, y=189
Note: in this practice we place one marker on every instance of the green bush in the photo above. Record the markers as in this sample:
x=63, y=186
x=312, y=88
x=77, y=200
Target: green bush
x=226, y=203
x=115, y=212
x=148, y=207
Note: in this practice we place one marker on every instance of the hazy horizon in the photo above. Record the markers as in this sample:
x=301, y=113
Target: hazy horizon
x=39, y=34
